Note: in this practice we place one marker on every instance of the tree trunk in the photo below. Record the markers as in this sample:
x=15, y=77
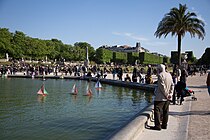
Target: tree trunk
x=179, y=49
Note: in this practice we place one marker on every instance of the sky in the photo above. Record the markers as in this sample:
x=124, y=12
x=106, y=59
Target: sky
x=103, y=22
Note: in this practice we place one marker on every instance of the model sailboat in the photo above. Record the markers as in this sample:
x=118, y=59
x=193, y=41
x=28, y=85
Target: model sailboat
x=74, y=90
x=88, y=91
x=42, y=91
x=98, y=85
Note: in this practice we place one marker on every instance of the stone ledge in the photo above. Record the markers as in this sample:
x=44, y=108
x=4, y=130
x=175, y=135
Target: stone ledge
x=134, y=127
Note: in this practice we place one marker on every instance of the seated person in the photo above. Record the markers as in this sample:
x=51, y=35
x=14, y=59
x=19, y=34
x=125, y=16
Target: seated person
x=148, y=79
x=89, y=74
x=134, y=78
x=127, y=78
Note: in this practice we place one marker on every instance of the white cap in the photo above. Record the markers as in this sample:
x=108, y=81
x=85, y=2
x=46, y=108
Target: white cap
x=161, y=67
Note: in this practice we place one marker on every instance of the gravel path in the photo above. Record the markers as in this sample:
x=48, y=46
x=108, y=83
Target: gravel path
x=199, y=122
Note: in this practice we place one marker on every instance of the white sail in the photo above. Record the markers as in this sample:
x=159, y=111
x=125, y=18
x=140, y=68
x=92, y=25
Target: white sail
x=98, y=85
x=88, y=91
x=74, y=89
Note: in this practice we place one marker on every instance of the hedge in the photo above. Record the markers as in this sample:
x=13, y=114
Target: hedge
x=132, y=57
x=166, y=60
x=174, y=57
x=103, y=55
x=106, y=56
x=148, y=58
x=120, y=57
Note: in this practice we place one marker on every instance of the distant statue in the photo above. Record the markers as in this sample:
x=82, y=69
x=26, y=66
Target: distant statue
x=87, y=59
x=7, y=57
x=46, y=59
x=184, y=62
x=136, y=62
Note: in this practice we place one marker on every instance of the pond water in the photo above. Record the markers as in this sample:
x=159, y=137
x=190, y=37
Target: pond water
x=24, y=115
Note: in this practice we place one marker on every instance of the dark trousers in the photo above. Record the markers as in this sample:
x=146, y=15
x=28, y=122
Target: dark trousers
x=161, y=110
x=181, y=94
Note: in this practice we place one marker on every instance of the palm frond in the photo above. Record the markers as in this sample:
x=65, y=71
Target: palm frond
x=178, y=22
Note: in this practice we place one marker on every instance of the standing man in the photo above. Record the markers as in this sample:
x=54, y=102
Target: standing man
x=163, y=95
x=184, y=75
x=120, y=73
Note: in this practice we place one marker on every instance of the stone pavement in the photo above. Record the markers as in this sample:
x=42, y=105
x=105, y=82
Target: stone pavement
x=190, y=121
x=199, y=122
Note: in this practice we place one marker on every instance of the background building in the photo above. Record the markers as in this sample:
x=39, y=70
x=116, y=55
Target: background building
x=126, y=48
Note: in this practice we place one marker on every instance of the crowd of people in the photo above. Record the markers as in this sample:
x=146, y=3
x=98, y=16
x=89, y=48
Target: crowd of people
x=140, y=73
x=66, y=70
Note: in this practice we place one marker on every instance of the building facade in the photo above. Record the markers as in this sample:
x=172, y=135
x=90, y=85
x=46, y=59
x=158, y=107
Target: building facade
x=126, y=48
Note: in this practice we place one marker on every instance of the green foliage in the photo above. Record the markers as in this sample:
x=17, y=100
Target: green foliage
x=178, y=22
x=148, y=58
x=132, y=57
x=120, y=57
x=190, y=57
x=174, y=57
x=106, y=56
x=166, y=60
x=91, y=51
x=5, y=42
x=19, y=45
x=103, y=55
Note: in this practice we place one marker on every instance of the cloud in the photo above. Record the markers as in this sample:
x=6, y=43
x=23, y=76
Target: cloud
x=144, y=41
x=131, y=35
x=157, y=44
x=116, y=33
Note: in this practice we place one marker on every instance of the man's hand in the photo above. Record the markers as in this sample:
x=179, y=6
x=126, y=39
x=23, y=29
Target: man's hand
x=169, y=97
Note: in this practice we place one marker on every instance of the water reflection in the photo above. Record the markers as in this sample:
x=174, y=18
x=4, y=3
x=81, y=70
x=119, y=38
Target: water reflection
x=149, y=97
x=136, y=97
x=120, y=94
x=88, y=98
x=41, y=98
x=98, y=92
x=127, y=91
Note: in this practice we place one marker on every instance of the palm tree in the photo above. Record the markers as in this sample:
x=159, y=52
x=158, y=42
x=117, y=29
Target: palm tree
x=178, y=22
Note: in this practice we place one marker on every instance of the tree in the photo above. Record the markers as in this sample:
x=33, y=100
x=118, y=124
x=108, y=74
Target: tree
x=103, y=55
x=20, y=47
x=83, y=45
x=205, y=58
x=5, y=42
x=178, y=22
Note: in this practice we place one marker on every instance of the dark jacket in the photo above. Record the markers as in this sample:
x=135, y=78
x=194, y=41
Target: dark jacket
x=208, y=80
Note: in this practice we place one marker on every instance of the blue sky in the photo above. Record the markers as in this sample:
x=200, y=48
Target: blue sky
x=103, y=22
